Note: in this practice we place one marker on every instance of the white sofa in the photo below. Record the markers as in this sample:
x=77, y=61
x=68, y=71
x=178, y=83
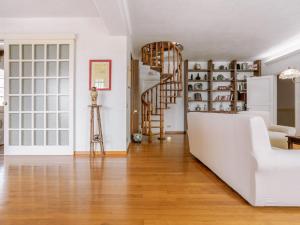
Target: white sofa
x=277, y=133
x=236, y=147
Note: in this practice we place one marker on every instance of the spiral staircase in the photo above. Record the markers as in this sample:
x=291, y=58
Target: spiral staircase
x=164, y=57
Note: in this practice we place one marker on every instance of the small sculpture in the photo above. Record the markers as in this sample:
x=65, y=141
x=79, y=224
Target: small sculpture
x=192, y=77
x=197, y=66
x=94, y=95
x=198, y=108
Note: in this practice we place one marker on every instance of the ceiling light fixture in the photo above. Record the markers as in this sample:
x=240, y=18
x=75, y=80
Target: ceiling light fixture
x=289, y=74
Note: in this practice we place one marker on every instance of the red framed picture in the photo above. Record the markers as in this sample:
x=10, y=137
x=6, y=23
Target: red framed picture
x=100, y=74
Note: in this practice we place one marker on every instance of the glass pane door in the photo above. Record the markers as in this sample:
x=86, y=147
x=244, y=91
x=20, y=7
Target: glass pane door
x=39, y=95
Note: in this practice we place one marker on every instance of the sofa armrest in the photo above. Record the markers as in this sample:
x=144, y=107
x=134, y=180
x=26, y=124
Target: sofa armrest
x=283, y=129
x=277, y=179
x=279, y=160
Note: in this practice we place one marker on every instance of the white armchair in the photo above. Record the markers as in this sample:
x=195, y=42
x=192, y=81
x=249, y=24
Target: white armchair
x=277, y=133
x=283, y=129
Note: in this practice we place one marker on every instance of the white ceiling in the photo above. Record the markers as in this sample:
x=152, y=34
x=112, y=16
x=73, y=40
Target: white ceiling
x=112, y=12
x=47, y=8
x=217, y=29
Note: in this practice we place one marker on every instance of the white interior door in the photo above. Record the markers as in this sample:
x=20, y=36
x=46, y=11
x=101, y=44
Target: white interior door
x=39, y=95
x=262, y=95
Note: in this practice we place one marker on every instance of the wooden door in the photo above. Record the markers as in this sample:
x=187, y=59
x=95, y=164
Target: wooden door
x=135, y=96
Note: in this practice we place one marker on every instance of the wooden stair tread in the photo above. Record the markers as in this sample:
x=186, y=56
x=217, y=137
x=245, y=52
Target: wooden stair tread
x=165, y=75
x=163, y=108
x=155, y=114
x=152, y=134
x=156, y=68
x=170, y=89
x=172, y=82
x=168, y=102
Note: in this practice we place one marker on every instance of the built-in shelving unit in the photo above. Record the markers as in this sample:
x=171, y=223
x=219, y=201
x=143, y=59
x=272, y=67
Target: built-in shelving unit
x=218, y=87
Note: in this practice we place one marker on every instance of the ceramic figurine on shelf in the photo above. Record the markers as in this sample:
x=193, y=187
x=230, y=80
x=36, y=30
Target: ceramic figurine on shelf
x=198, y=108
x=94, y=95
x=221, y=67
x=198, y=77
x=221, y=107
x=192, y=77
x=197, y=66
x=198, y=96
x=205, y=77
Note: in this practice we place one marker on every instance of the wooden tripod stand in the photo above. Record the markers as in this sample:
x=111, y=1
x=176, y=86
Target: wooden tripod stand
x=98, y=137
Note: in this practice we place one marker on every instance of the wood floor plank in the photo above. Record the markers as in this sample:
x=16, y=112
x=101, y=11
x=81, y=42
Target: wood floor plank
x=156, y=184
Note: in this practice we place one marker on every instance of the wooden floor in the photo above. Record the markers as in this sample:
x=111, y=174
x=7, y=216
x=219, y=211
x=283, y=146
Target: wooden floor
x=157, y=184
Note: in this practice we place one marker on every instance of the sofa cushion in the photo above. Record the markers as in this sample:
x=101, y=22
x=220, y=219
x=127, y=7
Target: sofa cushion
x=278, y=139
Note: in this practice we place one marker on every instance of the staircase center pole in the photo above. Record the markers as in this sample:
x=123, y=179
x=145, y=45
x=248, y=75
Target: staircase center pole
x=161, y=112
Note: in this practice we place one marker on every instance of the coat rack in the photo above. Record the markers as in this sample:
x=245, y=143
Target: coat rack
x=95, y=137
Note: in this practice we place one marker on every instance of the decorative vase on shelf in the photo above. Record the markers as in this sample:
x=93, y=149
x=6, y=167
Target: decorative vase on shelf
x=94, y=95
x=198, y=96
x=221, y=107
x=198, y=108
x=198, y=77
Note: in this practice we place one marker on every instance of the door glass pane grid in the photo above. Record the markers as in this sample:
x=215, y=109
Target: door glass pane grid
x=39, y=52
x=14, y=52
x=26, y=84
x=27, y=52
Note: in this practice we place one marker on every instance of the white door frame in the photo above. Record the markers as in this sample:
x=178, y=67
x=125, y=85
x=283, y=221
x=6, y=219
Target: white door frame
x=41, y=150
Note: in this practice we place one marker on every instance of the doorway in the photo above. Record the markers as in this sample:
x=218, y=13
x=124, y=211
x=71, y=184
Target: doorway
x=286, y=102
x=135, y=97
x=38, y=109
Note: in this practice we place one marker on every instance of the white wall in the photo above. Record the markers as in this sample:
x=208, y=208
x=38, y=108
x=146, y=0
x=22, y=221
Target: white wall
x=174, y=117
x=278, y=66
x=93, y=42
